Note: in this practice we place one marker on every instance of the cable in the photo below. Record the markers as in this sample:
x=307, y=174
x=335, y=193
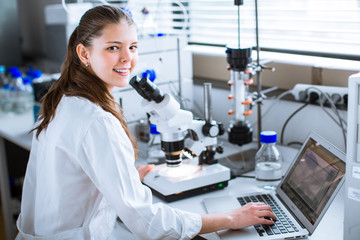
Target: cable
x=272, y=105
x=174, y=91
x=295, y=142
x=323, y=107
x=245, y=176
x=198, y=109
x=64, y=6
x=340, y=122
x=335, y=110
x=288, y=119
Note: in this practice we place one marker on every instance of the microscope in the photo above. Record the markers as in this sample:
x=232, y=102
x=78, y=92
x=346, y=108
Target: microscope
x=182, y=136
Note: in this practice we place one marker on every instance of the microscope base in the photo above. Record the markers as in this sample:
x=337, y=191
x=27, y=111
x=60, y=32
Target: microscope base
x=169, y=184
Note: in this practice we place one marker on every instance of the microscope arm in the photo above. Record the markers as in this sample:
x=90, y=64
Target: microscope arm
x=168, y=116
x=197, y=141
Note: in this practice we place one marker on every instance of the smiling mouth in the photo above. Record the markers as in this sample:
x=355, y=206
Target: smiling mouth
x=121, y=70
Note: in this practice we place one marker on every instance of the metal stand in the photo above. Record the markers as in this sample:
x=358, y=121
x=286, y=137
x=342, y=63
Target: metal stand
x=242, y=71
x=258, y=77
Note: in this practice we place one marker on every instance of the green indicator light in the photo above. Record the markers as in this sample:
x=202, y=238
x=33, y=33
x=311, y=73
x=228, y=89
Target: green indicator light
x=220, y=184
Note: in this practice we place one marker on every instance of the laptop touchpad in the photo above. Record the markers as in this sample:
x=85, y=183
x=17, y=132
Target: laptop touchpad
x=221, y=204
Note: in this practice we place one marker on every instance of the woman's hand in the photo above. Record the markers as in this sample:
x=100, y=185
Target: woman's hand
x=251, y=214
x=144, y=169
x=248, y=215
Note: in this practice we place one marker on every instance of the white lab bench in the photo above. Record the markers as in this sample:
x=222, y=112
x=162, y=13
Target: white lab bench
x=15, y=128
x=330, y=228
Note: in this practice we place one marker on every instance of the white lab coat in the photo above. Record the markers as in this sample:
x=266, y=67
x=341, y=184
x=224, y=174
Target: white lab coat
x=81, y=176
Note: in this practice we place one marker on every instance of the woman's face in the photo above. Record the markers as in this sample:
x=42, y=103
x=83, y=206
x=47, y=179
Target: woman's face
x=113, y=55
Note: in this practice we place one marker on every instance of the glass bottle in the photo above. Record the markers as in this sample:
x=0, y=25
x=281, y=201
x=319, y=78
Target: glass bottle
x=3, y=78
x=28, y=93
x=38, y=90
x=11, y=70
x=18, y=95
x=6, y=104
x=268, y=161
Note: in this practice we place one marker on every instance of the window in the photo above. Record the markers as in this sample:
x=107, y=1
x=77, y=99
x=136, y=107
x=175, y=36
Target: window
x=312, y=27
x=163, y=17
x=329, y=28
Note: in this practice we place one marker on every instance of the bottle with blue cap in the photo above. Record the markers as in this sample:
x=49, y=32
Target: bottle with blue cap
x=18, y=92
x=6, y=104
x=3, y=78
x=37, y=76
x=268, y=159
x=28, y=93
x=11, y=70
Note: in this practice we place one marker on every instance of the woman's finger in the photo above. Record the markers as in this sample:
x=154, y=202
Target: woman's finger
x=144, y=169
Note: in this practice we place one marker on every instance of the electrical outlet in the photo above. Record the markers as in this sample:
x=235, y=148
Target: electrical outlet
x=315, y=93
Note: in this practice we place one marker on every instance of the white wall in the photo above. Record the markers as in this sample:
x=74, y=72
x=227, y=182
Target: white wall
x=289, y=70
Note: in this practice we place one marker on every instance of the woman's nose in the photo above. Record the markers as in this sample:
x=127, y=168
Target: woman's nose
x=125, y=55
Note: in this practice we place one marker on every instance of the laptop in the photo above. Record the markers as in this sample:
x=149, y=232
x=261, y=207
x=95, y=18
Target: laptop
x=301, y=198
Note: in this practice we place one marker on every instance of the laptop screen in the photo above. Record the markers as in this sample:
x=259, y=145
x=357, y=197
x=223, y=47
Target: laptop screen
x=313, y=179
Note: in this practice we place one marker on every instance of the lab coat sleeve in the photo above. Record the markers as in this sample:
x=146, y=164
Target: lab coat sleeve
x=108, y=159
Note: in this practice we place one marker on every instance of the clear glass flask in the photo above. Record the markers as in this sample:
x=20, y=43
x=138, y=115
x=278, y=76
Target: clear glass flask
x=268, y=160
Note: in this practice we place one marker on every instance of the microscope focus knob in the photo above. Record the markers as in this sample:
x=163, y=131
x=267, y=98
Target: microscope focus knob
x=210, y=130
x=219, y=149
x=221, y=128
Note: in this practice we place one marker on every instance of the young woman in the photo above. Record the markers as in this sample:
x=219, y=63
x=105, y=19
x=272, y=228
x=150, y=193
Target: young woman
x=81, y=174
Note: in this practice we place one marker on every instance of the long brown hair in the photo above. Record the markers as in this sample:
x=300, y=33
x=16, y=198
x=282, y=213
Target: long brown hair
x=76, y=79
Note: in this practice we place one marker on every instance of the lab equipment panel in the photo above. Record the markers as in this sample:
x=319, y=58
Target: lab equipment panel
x=352, y=183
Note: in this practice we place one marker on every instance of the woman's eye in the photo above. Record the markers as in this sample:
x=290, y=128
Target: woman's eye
x=133, y=47
x=113, y=48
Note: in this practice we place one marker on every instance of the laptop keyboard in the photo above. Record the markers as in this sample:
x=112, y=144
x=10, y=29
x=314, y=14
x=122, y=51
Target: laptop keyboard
x=282, y=224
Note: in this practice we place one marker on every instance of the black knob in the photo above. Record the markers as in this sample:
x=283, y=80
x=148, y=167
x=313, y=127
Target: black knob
x=221, y=128
x=210, y=130
x=219, y=149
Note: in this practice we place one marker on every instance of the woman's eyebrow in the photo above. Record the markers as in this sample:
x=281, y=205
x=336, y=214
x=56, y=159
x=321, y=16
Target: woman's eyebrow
x=119, y=42
x=114, y=42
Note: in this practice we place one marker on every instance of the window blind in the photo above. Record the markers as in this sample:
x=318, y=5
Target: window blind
x=318, y=27
x=155, y=17
x=312, y=27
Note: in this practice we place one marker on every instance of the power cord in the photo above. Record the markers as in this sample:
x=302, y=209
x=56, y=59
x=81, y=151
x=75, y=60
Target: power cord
x=295, y=143
x=288, y=119
x=341, y=122
x=288, y=92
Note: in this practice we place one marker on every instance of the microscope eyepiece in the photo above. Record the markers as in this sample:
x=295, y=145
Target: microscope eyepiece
x=134, y=82
x=147, y=89
x=151, y=90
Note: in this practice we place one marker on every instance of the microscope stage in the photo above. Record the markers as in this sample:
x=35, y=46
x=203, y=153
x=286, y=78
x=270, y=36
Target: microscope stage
x=171, y=184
